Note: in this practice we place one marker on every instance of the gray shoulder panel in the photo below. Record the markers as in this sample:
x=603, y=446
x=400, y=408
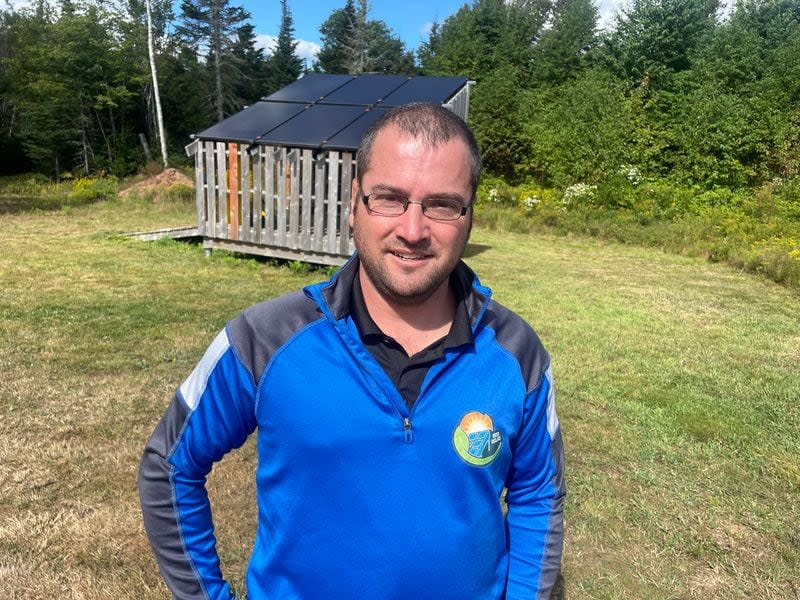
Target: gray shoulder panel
x=519, y=338
x=263, y=328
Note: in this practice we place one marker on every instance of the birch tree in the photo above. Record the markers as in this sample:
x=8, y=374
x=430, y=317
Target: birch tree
x=156, y=95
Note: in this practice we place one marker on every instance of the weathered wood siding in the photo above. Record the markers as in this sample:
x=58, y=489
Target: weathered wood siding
x=274, y=201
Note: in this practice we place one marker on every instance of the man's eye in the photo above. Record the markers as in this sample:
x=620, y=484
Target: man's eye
x=443, y=204
x=389, y=199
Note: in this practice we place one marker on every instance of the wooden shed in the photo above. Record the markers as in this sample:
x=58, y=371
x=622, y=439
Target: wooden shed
x=274, y=179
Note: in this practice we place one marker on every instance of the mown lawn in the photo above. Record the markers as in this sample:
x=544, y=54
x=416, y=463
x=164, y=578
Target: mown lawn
x=678, y=390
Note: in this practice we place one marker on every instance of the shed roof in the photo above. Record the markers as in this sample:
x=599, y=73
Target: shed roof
x=330, y=112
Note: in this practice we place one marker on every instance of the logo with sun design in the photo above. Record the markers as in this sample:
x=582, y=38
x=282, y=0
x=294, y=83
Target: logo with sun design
x=476, y=440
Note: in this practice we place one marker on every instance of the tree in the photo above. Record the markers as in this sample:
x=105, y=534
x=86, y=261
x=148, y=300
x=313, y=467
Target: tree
x=655, y=39
x=353, y=43
x=254, y=81
x=483, y=36
x=562, y=50
x=12, y=158
x=70, y=86
x=492, y=42
x=156, y=95
x=336, y=36
x=578, y=131
x=284, y=66
x=210, y=27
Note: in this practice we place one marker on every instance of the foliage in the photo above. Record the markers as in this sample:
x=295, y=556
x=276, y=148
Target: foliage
x=254, y=82
x=674, y=90
x=336, y=33
x=483, y=36
x=353, y=43
x=578, y=130
x=90, y=189
x=757, y=231
x=653, y=39
x=209, y=27
x=284, y=66
x=71, y=90
x=562, y=51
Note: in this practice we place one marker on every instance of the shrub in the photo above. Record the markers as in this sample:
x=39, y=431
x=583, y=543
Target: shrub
x=90, y=189
x=756, y=231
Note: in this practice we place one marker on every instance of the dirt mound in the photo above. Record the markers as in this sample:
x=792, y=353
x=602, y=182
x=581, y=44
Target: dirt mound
x=166, y=179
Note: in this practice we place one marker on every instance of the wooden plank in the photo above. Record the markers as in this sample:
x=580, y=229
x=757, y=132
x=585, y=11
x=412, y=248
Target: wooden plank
x=268, y=233
x=199, y=188
x=245, y=229
x=211, y=191
x=344, y=195
x=306, y=205
x=283, y=193
x=222, y=192
x=233, y=191
x=318, y=232
x=294, y=200
x=332, y=199
x=258, y=190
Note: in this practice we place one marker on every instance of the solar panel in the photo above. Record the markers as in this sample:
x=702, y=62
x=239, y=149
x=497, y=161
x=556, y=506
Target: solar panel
x=425, y=89
x=328, y=111
x=350, y=137
x=314, y=126
x=365, y=90
x=251, y=123
x=309, y=88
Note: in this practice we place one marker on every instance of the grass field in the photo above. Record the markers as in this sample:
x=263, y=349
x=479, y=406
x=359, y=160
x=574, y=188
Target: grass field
x=678, y=393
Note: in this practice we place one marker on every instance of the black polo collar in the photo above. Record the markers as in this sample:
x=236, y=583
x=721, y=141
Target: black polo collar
x=460, y=331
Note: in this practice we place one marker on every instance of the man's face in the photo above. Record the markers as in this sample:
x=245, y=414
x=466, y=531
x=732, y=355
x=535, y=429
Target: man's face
x=409, y=257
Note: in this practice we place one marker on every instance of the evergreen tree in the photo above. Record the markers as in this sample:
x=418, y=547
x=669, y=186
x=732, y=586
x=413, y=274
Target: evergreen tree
x=254, y=81
x=210, y=26
x=353, y=43
x=284, y=66
x=337, y=35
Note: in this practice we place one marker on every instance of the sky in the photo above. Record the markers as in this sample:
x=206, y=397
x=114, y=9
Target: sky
x=409, y=19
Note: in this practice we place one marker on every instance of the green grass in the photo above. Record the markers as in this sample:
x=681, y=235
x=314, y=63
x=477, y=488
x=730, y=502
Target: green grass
x=677, y=379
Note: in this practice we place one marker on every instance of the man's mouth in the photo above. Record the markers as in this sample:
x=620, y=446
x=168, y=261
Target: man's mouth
x=406, y=256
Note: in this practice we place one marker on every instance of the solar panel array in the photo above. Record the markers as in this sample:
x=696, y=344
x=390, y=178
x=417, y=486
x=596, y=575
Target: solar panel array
x=331, y=112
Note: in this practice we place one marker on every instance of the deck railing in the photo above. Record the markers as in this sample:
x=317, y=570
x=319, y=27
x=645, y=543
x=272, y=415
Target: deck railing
x=274, y=201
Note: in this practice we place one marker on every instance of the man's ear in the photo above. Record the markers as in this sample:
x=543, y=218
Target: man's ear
x=354, y=191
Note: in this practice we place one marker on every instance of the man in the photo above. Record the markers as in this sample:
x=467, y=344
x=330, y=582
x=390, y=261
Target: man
x=393, y=405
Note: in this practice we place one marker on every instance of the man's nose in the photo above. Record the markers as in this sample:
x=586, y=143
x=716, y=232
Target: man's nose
x=413, y=225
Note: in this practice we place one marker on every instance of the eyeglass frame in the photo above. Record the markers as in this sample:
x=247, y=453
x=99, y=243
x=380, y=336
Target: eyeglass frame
x=408, y=201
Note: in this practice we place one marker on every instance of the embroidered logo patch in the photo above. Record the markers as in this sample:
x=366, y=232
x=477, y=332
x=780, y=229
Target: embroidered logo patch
x=476, y=440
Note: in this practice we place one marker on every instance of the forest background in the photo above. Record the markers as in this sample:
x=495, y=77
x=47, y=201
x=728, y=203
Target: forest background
x=678, y=126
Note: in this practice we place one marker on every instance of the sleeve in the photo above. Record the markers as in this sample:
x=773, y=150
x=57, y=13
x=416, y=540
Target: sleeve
x=212, y=413
x=535, y=498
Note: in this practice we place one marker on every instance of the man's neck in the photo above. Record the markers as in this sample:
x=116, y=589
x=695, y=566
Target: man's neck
x=413, y=326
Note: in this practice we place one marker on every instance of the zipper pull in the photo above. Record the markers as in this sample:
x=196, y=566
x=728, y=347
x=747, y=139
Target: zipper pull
x=407, y=430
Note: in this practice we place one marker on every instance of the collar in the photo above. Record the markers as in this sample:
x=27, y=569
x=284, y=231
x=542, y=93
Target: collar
x=460, y=332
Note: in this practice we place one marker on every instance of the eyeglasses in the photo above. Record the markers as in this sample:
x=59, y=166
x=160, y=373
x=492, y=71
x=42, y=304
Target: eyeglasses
x=393, y=205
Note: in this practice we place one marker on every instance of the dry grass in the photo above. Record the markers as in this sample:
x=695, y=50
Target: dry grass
x=678, y=395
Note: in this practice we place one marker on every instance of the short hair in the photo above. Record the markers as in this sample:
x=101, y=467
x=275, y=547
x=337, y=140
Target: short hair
x=430, y=123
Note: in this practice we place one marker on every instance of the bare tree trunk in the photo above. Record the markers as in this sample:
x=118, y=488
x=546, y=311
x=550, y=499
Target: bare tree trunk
x=159, y=117
x=357, y=50
x=217, y=45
